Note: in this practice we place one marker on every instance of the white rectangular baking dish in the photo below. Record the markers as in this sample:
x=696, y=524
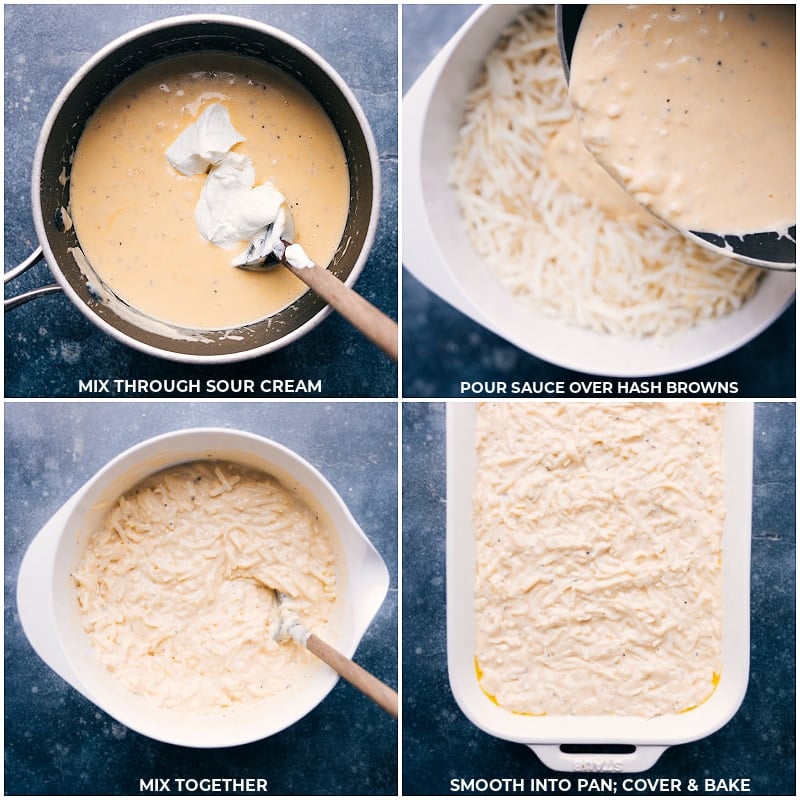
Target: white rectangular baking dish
x=545, y=735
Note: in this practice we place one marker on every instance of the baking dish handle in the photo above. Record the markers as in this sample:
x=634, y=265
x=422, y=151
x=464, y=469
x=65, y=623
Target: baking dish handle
x=34, y=258
x=642, y=758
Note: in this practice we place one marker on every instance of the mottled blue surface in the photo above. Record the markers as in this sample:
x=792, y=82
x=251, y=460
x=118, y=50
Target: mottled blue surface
x=50, y=345
x=57, y=742
x=440, y=743
x=442, y=346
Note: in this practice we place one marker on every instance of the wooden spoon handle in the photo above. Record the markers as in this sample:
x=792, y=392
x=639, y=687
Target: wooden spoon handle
x=374, y=324
x=376, y=690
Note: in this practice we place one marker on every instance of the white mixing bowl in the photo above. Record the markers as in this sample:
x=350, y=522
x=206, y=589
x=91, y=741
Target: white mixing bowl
x=50, y=616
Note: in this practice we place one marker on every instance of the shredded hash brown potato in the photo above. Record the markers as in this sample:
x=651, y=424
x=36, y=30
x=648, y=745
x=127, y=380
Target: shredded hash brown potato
x=598, y=586
x=556, y=252
x=176, y=587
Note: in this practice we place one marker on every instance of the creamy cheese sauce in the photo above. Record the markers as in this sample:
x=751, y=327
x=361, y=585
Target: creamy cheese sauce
x=598, y=544
x=134, y=213
x=176, y=586
x=692, y=110
x=567, y=157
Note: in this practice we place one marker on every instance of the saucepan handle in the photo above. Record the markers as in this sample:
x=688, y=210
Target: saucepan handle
x=34, y=258
x=642, y=758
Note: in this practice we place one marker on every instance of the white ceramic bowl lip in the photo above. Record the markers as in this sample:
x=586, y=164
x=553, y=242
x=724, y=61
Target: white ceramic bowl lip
x=50, y=616
x=438, y=251
x=546, y=734
x=133, y=328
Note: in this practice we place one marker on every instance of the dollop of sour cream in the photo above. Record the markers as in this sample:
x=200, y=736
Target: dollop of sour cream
x=205, y=142
x=298, y=257
x=231, y=208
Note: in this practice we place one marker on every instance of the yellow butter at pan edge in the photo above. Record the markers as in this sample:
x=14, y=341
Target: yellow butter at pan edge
x=715, y=678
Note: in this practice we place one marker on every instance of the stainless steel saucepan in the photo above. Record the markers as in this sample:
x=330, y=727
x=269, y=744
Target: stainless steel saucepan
x=58, y=243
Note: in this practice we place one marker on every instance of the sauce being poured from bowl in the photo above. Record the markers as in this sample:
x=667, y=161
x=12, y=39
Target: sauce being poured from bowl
x=691, y=110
